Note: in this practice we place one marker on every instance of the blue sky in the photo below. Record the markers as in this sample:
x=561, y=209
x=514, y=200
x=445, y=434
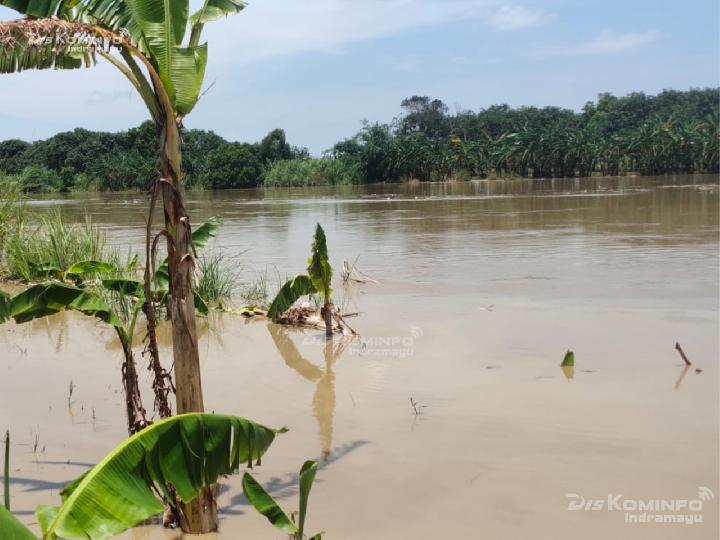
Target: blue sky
x=317, y=68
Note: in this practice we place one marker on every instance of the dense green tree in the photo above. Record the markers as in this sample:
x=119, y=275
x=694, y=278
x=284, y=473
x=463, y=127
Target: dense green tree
x=671, y=132
x=274, y=147
x=233, y=165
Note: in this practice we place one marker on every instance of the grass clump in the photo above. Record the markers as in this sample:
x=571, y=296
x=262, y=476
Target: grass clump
x=325, y=171
x=50, y=247
x=218, y=278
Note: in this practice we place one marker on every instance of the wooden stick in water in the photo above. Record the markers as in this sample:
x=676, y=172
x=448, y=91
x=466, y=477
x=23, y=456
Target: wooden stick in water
x=682, y=353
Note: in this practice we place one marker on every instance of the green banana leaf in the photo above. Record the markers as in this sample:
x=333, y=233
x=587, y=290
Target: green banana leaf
x=266, y=505
x=319, y=268
x=307, y=477
x=44, y=270
x=85, y=268
x=12, y=529
x=213, y=10
x=200, y=237
x=126, y=287
x=263, y=502
x=569, y=360
x=49, y=298
x=290, y=293
x=181, y=69
x=188, y=452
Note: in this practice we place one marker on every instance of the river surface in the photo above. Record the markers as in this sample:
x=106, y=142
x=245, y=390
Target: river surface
x=482, y=288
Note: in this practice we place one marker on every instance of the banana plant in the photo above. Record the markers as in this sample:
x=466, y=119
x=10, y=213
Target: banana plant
x=263, y=502
x=172, y=460
x=157, y=46
x=318, y=280
x=45, y=299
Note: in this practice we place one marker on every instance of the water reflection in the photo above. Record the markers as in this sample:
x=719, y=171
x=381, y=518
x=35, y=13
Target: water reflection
x=681, y=377
x=569, y=372
x=324, y=379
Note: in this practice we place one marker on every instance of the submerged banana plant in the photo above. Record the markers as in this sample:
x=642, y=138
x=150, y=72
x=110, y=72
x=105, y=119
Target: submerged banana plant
x=115, y=301
x=268, y=507
x=173, y=459
x=318, y=280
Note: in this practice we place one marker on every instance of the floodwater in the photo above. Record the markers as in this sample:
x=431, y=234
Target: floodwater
x=482, y=288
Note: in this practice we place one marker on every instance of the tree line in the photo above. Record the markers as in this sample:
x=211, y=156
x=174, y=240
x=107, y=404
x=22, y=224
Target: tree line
x=672, y=132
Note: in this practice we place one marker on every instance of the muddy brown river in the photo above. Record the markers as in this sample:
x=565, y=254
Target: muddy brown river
x=482, y=288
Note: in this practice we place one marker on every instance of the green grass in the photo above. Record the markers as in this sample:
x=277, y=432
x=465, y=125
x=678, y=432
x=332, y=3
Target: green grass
x=218, y=279
x=31, y=249
x=12, y=210
x=311, y=172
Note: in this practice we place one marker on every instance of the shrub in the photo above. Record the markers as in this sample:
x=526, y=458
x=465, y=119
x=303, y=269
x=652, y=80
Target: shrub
x=325, y=171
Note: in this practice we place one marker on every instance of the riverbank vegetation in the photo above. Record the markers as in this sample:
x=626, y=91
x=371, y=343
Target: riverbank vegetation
x=672, y=132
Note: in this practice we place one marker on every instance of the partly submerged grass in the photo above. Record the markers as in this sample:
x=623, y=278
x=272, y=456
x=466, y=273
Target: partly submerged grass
x=12, y=210
x=30, y=250
x=218, y=279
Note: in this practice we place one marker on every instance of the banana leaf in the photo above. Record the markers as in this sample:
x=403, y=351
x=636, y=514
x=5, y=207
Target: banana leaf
x=569, y=360
x=85, y=268
x=11, y=528
x=200, y=237
x=213, y=10
x=307, y=477
x=290, y=293
x=263, y=502
x=319, y=268
x=187, y=452
x=49, y=298
x=126, y=287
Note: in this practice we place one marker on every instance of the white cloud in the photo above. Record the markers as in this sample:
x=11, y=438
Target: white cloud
x=283, y=27
x=518, y=17
x=609, y=42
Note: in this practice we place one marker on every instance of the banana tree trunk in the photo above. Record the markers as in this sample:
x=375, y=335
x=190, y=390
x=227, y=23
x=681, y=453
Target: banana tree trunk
x=327, y=315
x=199, y=516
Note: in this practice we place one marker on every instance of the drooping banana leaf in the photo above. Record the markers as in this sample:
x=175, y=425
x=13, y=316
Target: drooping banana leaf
x=301, y=285
x=46, y=43
x=213, y=10
x=126, y=287
x=12, y=529
x=206, y=232
x=85, y=268
x=49, y=298
x=319, y=268
x=200, y=304
x=188, y=452
x=263, y=502
x=200, y=237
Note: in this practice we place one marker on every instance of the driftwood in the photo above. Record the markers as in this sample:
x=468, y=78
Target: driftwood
x=351, y=274
x=308, y=317
x=679, y=349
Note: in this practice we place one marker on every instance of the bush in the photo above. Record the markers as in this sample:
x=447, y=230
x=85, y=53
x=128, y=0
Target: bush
x=326, y=171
